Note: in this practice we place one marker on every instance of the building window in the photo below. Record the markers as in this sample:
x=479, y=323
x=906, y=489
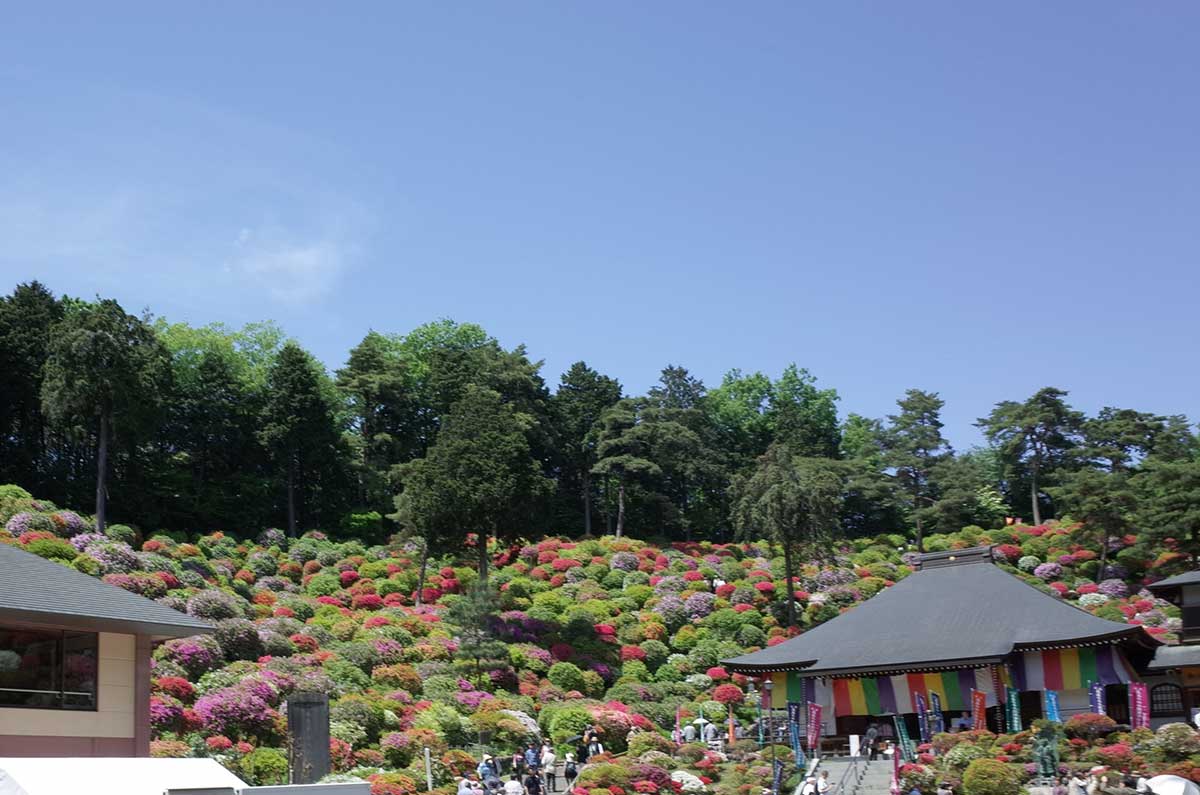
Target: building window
x=1166, y=700
x=48, y=669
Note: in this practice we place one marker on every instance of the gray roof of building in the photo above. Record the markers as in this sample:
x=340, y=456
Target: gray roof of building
x=1187, y=578
x=34, y=589
x=945, y=615
x=1168, y=657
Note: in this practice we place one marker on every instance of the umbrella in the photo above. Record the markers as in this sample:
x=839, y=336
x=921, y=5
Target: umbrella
x=574, y=738
x=1172, y=785
x=702, y=721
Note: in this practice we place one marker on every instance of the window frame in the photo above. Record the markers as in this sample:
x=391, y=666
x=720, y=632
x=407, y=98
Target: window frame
x=60, y=639
x=1176, y=694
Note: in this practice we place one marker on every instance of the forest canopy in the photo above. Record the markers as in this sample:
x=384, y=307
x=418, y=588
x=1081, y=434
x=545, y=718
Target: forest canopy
x=442, y=431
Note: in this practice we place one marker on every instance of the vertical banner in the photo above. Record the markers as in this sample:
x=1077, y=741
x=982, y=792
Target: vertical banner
x=895, y=787
x=1139, y=712
x=997, y=685
x=922, y=717
x=777, y=781
x=1052, y=711
x=732, y=731
x=793, y=714
x=935, y=708
x=904, y=744
x=677, y=734
x=978, y=710
x=1012, y=709
x=814, y=725
x=1096, y=698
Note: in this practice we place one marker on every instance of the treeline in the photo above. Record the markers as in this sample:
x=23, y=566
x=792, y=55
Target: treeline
x=443, y=432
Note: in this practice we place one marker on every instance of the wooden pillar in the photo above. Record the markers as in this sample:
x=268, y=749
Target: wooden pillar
x=141, y=696
x=308, y=737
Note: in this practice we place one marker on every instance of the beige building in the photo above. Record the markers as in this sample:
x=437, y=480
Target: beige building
x=75, y=660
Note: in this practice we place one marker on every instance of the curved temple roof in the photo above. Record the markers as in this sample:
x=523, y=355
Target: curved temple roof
x=36, y=590
x=958, y=610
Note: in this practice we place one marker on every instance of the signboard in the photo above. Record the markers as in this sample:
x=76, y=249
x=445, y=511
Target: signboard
x=979, y=710
x=1052, y=710
x=855, y=745
x=814, y=724
x=904, y=743
x=1012, y=710
x=1139, y=705
x=794, y=709
x=922, y=717
x=938, y=720
x=1096, y=698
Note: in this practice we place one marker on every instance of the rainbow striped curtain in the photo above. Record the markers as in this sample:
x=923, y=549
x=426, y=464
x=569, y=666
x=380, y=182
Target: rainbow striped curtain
x=1070, y=669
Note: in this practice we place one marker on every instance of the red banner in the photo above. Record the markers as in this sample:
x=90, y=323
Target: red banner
x=814, y=724
x=979, y=710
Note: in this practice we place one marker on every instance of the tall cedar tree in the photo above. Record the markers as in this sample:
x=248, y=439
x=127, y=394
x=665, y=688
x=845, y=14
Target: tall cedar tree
x=106, y=374
x=793, y=500
x=375, y=385
x=298, y=424
x=26, y=318
x=1034, y=438
x=913, y=446
x=478, y=477
x=582, y=396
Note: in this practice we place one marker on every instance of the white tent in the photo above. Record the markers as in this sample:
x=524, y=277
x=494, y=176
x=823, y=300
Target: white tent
x=105, y=776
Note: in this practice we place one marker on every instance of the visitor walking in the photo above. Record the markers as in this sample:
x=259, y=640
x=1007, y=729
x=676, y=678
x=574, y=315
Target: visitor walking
x=945, y=789
x=711, y=733
x=823, y=784
x=486, y=768
x=533, y=783
x=689, y=733
x=464, y=786
x=518, y=761
x=1077, y=784
x=532, y=759
x=872, y=739
x=549, y=760
x=513, y=786
x=1060, y=787
x=570, y=770
x=810, y=786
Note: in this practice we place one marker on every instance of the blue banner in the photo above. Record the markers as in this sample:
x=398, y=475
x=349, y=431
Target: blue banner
x=778, y=780
x=794, y=710
x=936, y=716
x=1096, y=698
x=922, y=718
x=1052, y=712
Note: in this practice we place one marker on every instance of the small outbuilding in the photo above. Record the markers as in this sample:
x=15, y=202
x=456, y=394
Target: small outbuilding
x=75, y=660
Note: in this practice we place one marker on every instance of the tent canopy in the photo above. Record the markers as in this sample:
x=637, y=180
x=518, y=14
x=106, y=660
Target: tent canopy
x=958, y=610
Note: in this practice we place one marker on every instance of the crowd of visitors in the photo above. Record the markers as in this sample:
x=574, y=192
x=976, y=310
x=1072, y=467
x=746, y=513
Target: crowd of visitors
x=533, y=770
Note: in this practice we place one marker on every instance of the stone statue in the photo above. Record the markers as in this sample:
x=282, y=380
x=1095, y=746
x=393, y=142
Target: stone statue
x=1045, y=751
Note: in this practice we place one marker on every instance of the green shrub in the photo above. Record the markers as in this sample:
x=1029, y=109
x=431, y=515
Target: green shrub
x=52, y=549
x=641, y=742
x=566, y=676
x=990, y=777
x=265, y=766
x=324, y=585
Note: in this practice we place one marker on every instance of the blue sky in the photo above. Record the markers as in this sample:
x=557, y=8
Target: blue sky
x=977, y=199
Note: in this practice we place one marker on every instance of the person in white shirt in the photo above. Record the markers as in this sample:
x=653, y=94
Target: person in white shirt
x=823, y=783
x=549, y=759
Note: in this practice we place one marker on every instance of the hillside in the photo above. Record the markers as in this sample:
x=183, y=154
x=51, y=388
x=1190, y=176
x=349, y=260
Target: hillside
x=616, y=632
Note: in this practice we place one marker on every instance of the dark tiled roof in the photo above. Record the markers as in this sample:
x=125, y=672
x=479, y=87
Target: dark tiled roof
x=945, y=616
x=38, y=590
x=1167, y=657
x=1187, y=578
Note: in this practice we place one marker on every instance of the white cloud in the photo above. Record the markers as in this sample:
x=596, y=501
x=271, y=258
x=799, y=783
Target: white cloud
x=291, y=271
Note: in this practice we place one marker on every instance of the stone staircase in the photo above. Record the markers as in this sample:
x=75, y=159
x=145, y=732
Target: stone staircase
x=867, y=778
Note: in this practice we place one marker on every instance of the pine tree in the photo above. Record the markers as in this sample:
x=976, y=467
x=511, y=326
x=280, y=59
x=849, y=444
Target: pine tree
x=582, y=397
